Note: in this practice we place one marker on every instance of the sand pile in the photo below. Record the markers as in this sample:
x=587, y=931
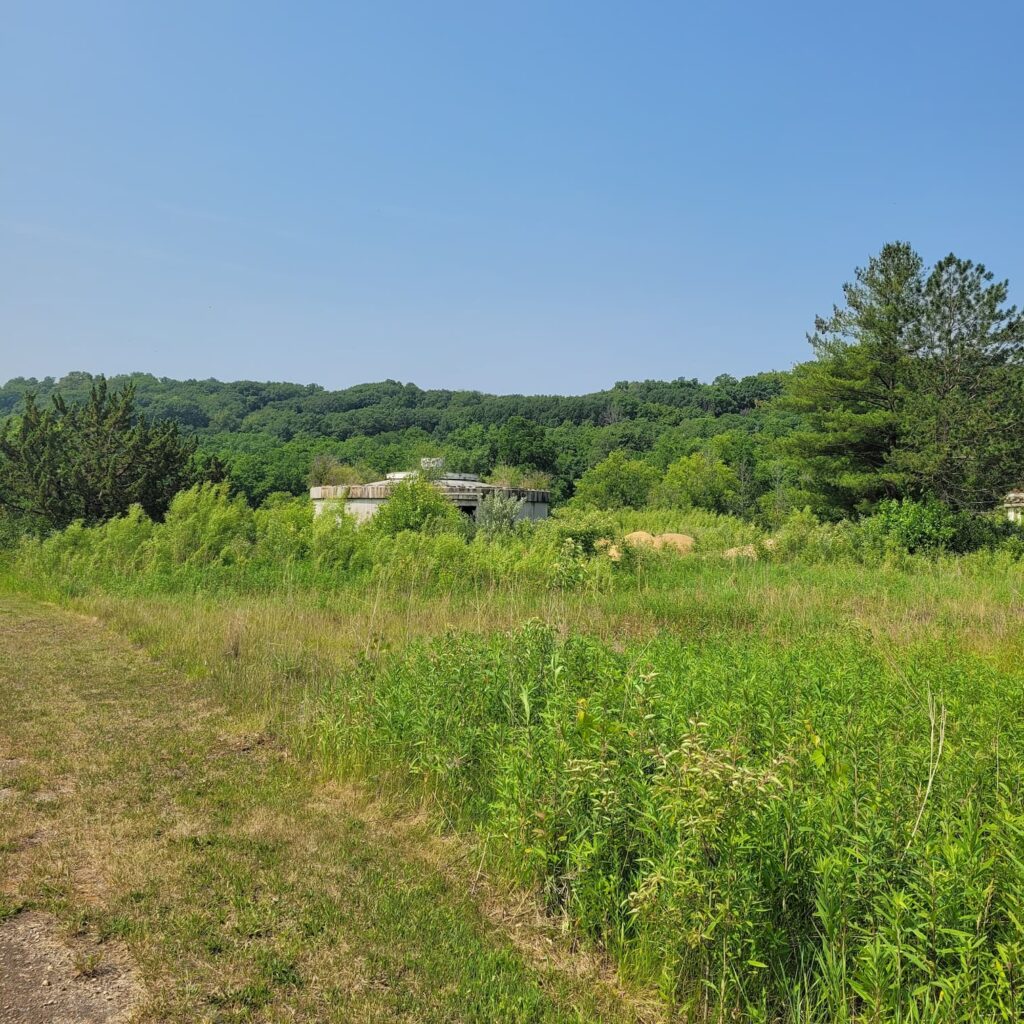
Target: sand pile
x=681, y=543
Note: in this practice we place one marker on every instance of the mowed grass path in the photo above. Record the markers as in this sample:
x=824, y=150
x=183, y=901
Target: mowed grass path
x=244, y=887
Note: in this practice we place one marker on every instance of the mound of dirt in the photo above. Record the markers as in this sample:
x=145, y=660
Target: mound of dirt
x=747, y=551
x=640, y=538
x=679, y=542
x=46, y=981
x=610, y=549
x=750, y=550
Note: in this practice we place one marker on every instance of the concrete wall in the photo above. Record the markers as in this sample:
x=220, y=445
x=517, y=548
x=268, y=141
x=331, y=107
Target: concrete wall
x=364, y=506
x=322, y=505
x=533, y=510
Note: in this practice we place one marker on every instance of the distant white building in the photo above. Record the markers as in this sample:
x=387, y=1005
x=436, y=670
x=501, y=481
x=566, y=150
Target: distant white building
x=463, y=490
x=1013, y=506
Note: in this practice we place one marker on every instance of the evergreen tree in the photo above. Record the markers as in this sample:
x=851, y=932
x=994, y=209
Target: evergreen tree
x=90, y=461
x=852, y=395
x=917, y=390
x=962, y=436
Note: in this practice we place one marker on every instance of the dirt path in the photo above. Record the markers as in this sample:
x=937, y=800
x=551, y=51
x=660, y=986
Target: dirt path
x=162, y=861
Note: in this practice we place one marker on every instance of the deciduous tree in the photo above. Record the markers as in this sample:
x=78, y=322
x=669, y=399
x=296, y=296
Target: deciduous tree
x=617, y=482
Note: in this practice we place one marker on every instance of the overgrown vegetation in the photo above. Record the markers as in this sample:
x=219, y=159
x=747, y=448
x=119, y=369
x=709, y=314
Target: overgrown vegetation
x=915, y=391
x=780, y=777
x=268, y=435
x=787, y=788
x=804, y=832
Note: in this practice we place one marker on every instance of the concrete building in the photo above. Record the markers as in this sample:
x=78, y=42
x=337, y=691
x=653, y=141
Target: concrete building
x=463, y=490
x=1013, y=506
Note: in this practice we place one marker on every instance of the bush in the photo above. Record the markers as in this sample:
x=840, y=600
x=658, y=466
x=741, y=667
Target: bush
x=582, y=527
x=337, y=545
x=325, y=469
x=416, y=504
x=205, y=526
x=803, y=536
x=504, y=475
x=497, y=514
x=931, y=526
x=283, y=529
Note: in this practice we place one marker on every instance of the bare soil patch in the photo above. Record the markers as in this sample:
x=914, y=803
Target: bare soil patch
x=45, y=980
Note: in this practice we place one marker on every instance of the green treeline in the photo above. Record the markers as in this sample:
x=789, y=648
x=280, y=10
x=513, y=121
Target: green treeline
x=915, y=391
x=268, y=434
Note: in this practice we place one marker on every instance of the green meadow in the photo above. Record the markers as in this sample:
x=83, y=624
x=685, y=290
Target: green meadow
x=780, y=787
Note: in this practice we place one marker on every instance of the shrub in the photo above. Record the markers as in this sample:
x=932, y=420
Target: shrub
x=283, y=529
x=416, y=504
x=916, y=526
x=581, y=526
x=504, y=475
x=205, y=525
x=337, y=545
x=326, y=469
x=930, y=526
x=122, y=545
x=803, y=536
x=497, y=514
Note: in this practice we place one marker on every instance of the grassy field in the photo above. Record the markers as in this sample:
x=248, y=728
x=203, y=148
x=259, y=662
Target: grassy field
x=244, y=884
x=789, y=789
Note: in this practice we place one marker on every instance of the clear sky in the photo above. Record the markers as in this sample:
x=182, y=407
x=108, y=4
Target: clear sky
x=540, y=197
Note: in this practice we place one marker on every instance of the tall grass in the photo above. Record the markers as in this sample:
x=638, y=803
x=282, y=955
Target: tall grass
x=783, y=832
x=210, y=541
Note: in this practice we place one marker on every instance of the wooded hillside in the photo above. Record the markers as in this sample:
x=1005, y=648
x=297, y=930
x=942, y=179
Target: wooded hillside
x=268, y=433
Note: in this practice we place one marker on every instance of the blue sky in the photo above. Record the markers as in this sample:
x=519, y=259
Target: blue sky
x=540, y=197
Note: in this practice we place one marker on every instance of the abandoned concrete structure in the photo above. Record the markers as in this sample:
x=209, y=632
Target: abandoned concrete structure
x=463, y=490
x=1013, y=506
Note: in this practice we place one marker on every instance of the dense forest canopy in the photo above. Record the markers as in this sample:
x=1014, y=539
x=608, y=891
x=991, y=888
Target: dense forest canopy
x=268, y=433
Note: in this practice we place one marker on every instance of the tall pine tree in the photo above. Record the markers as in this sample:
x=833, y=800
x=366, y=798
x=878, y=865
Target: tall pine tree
x=852, y=395
x=963, y=419
x=917, y=389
